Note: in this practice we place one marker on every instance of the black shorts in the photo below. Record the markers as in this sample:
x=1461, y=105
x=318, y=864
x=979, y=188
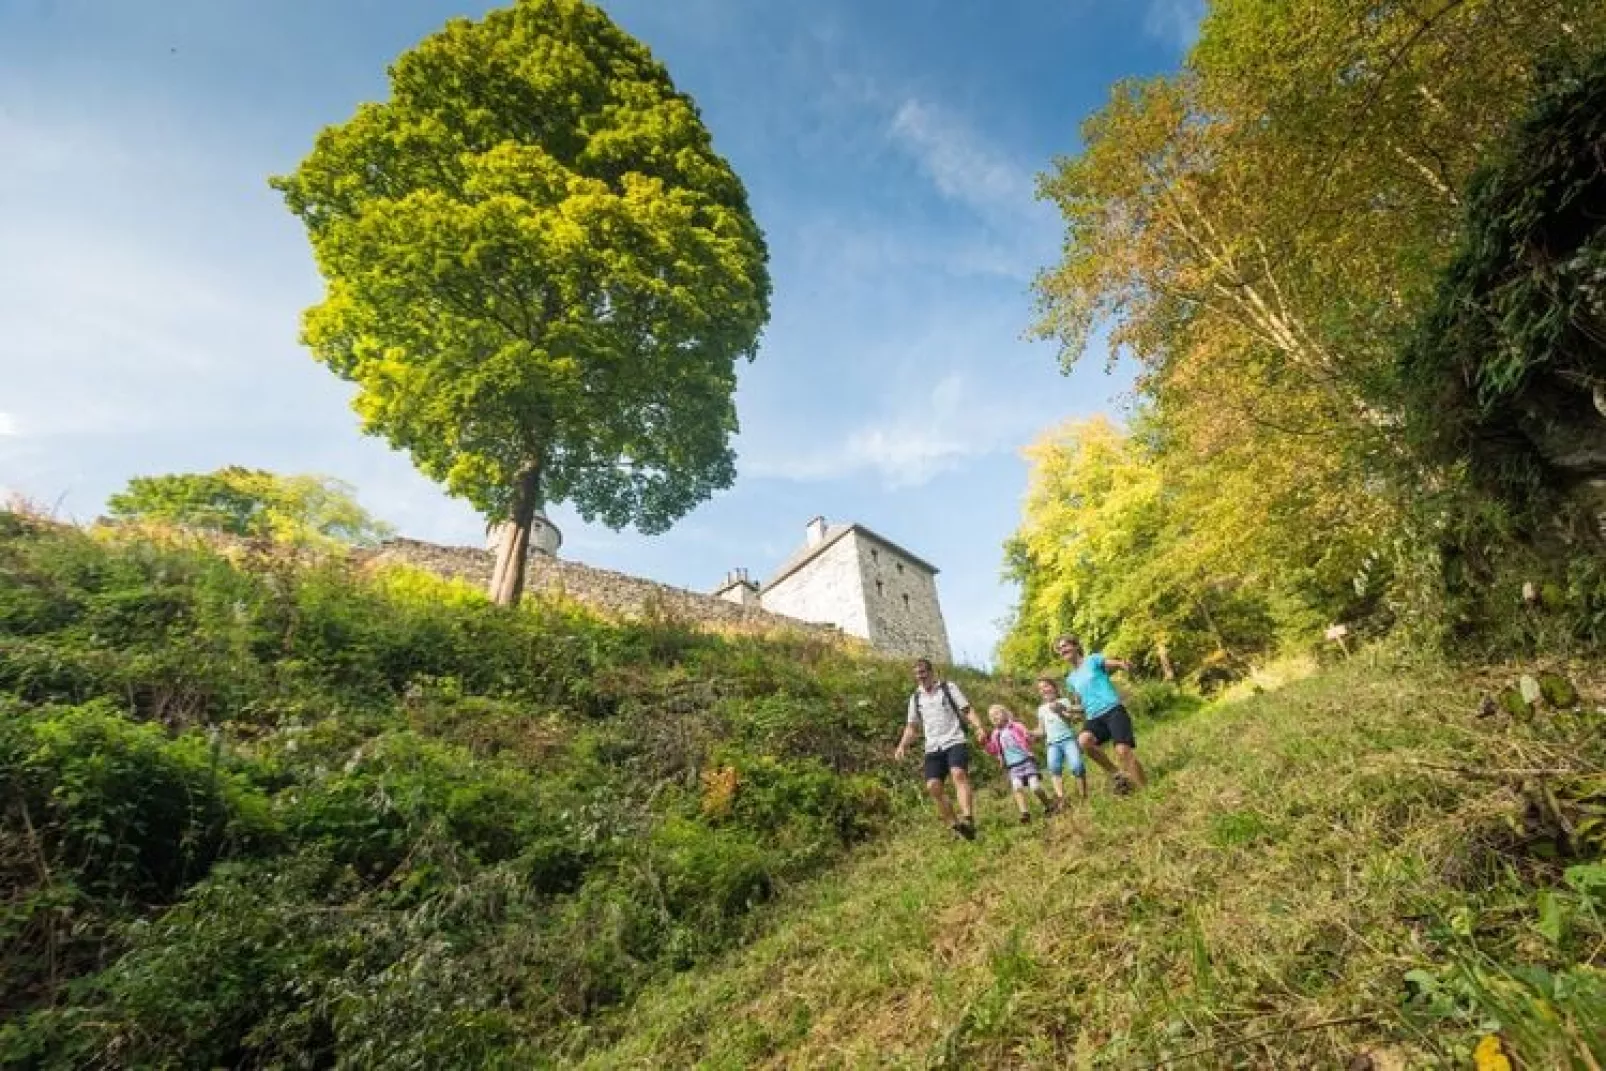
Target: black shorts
x=953, y=757
x=1114, y=724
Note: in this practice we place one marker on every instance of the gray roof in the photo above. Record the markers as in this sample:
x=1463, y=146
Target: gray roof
x=834, y=533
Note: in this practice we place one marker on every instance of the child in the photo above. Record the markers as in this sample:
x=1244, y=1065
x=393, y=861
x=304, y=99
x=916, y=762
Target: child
x=1012, y=743
x=1057, y=722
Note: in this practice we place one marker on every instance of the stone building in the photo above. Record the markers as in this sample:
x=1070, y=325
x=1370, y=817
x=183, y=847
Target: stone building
x=863, y=583
x=844, y=579
x=739, y=589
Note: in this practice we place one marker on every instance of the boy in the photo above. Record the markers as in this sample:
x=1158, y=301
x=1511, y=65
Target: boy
x=1107, y=720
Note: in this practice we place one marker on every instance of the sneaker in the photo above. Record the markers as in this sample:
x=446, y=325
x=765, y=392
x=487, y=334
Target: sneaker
x=966, y=827
x=1025, y=817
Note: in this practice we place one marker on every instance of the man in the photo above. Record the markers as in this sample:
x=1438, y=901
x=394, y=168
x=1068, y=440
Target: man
x=1106, y=719
x=937, y=707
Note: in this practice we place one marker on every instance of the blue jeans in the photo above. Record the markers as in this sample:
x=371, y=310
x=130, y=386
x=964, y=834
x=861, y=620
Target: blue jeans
x=1064, y=755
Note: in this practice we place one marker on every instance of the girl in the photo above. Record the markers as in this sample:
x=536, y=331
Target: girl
x=1055, y=720
x=1012, y=743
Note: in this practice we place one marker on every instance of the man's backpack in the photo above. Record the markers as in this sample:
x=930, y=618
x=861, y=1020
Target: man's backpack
x=947, y=696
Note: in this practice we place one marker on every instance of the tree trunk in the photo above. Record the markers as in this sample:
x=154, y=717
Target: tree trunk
x=1166, y=670
x=1210, y=623
x=513, y=540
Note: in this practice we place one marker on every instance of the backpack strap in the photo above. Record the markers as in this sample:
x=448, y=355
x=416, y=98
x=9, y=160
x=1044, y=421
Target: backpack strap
x=948, y=697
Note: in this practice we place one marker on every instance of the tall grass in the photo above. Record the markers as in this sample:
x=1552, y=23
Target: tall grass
x=260, y=809
x=1339, y=873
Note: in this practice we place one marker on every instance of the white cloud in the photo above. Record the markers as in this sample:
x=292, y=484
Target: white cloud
x=970, y=171
x=962, y=167
x=8, y=424
x=1176, y=22
x=914, y=441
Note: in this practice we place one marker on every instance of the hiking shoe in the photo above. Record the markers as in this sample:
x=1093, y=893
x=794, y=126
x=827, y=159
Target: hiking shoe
x=966, y=827
x=1121, y=785
x=1025, y=817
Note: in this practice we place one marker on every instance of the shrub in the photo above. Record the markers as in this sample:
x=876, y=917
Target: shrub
x=267, y=810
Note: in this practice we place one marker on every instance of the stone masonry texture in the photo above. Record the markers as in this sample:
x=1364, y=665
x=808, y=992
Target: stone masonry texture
x=610, y=593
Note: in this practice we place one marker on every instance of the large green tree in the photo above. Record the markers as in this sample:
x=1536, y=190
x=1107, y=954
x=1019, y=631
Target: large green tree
x=540, y=274
x=251, y=503
x=1257, y=232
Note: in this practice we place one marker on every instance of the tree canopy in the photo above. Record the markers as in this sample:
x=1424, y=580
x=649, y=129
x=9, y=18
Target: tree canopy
x=539, y=273
x=1260, y=233
x=1507, y=367
x=251, y=503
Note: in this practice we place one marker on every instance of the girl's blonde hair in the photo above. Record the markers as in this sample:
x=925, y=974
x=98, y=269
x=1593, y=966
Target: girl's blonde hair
x=999, y=708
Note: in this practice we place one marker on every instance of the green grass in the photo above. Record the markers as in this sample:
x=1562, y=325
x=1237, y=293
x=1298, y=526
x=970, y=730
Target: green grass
x=260, y=809
x=1307, y=879
x=258, y=812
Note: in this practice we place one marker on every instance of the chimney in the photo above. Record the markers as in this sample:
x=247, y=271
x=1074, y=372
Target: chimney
x=816, y=531
x=738, y=588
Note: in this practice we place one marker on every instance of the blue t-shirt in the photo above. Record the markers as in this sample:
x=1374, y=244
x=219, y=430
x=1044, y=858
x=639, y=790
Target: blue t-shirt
x=1013, y=753
x=1090, y=682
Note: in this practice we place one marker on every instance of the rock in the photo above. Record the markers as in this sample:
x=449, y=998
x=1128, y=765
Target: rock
x=1488, y=708
x=1529, y=689
x=1558, y=691
x=1384, y=1059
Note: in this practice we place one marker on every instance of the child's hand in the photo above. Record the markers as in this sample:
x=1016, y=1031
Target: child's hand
x=897, y=753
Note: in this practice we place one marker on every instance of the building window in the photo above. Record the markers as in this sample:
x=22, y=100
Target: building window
x=900, y=567
x=880, y=588
x=875, y=555
x=906, y=602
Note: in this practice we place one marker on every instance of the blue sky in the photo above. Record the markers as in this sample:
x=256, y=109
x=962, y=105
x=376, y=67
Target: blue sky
x=151, y=283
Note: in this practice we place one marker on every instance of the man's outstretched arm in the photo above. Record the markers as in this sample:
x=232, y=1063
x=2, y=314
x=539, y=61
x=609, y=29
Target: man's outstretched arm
x=975, y=723
x=904, y=741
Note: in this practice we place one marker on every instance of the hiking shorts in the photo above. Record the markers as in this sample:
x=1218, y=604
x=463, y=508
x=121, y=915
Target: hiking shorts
x=1024, y=775
x=952, y=757
x=1064, y=756
x=1114, y=724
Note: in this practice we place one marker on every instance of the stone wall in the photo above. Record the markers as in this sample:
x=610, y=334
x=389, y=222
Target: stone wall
x=612, y=594
x=827, y=588
x=900, y=600
x=868, y=588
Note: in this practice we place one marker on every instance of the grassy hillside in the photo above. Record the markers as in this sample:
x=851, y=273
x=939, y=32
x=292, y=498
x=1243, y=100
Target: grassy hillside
x=258, y=811
x=1350, y=869
x=265, y=812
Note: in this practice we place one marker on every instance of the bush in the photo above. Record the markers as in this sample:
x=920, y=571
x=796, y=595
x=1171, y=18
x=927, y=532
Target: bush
x=121, y=806
x=1159, y=699
x=273, y=811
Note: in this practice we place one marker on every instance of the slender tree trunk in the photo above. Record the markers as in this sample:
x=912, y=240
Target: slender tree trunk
x=1164, y=654
x=513, y=542
x=1210, y=623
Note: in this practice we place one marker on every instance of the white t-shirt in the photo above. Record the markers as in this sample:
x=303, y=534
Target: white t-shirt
x=1051, y=720
x=940, y=720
